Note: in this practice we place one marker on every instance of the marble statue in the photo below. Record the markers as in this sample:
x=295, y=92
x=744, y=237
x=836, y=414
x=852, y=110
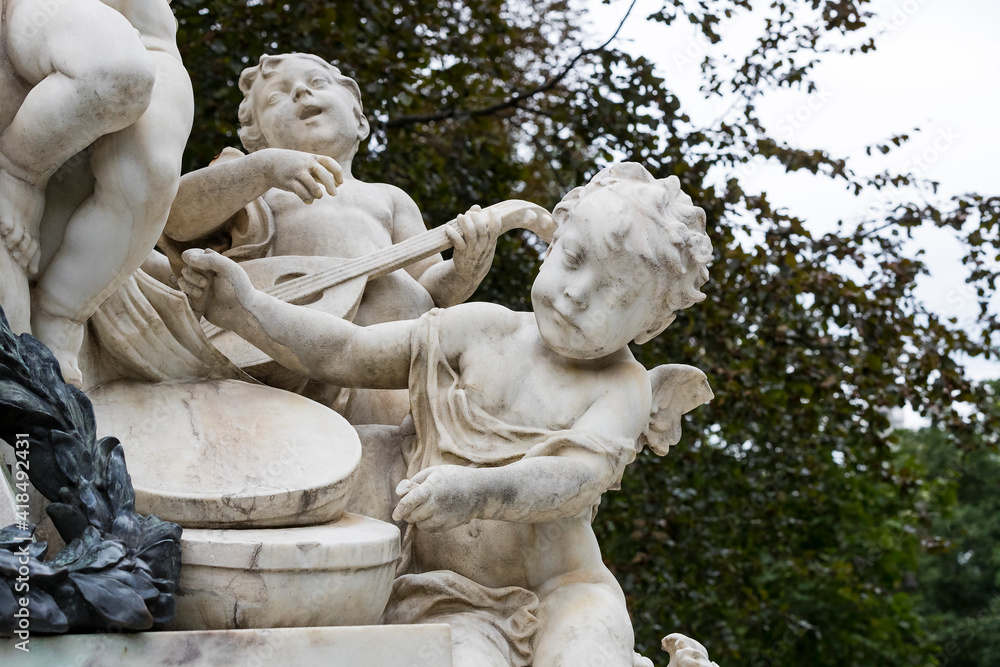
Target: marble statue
x=521, y=420
x=97, y=112
x=302, y=122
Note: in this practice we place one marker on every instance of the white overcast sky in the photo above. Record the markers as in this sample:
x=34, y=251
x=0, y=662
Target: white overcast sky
x=936, y=67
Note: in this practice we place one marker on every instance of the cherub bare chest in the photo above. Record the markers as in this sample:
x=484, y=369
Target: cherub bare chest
x=517, y=381
x=350, y=224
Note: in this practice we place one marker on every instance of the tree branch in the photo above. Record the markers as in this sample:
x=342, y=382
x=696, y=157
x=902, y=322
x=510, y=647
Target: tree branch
x=516, y=99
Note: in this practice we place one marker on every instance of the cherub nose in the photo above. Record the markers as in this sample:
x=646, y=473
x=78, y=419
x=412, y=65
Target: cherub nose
x=300, y=90
x=577, y=294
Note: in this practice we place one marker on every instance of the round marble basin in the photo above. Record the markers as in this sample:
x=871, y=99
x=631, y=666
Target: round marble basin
x=336, y=574
x=228, y=454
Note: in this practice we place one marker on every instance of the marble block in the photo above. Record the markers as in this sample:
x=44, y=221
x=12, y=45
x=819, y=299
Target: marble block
x=337, y=574
x=228, y=454
x=375, y=646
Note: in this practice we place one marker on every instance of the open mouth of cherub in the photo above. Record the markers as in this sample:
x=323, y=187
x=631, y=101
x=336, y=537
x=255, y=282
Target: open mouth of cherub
x=309, y=112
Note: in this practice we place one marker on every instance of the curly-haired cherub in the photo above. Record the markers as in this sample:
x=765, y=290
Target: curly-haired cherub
x=522, y=420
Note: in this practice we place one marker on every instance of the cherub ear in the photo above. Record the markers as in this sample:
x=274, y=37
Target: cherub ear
x=677, y=389
x=364, y=129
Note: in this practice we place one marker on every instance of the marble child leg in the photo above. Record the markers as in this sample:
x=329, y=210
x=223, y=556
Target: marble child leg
x=584, y=625
x=91, y=76
x=137, y=171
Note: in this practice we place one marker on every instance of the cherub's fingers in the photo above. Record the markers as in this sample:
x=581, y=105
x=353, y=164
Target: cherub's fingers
x=195, y=277
x=423, y=514
x=422, y=476
x=407, y=505
x=191, y=290
x=456, y=238
x=313, y=189
x=333, y=167
x=325, y=178
x=404, y=487
x=14, y=237
x=207, y=260
x=27, y=241
x=36, y=258
x=470, y=225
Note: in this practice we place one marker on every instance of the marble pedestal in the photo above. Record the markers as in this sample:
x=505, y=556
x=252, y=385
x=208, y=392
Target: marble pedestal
x=369, y=646
x=332, y=575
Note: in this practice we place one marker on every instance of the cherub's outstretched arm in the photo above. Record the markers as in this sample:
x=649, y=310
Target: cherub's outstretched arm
x=317, y=345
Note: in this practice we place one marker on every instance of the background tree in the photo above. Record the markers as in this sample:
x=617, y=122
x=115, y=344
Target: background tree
x=783, y=530
x=959, y=574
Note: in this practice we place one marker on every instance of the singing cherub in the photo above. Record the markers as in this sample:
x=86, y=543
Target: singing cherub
x=302, y=122
x=522, y=420
x=106, y=84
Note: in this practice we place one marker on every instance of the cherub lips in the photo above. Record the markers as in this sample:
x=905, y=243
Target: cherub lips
x=310, y=112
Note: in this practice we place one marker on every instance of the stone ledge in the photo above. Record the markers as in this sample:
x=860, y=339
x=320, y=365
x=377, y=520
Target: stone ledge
x=381, y=645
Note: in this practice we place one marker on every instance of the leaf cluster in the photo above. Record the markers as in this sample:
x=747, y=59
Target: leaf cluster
x=119, y=569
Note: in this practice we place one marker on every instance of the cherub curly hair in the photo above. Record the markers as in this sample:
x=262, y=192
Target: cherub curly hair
x=668, y=234
x=250, y=134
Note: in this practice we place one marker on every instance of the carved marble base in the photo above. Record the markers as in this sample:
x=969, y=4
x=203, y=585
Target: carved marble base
x=337, y=574
x=384, y=646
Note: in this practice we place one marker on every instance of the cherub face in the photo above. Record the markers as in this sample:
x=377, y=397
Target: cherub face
x=300, y=106
x=589, y=298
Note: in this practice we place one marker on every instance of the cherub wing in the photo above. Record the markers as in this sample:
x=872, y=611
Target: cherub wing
x=677, y=389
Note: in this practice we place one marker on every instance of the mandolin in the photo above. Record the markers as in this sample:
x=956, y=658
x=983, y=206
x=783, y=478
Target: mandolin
x=336, y=285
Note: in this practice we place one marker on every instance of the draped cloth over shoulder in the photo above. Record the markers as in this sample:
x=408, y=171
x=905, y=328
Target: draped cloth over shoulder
x=452, y=429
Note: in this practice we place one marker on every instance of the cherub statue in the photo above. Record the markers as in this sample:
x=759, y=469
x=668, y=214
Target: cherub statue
x=103, y=80
x=522, y=420
x=302, y=122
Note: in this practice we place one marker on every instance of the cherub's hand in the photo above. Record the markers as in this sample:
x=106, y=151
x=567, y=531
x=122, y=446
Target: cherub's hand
x=686, y=652
x=303, y=174
x=215, y=286
x=475, y=245
x=436, y=498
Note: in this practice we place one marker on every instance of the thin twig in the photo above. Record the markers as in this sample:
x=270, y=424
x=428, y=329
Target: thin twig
x=515, y=100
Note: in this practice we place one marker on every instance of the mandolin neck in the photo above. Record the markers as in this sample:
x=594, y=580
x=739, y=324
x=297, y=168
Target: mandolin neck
x=393, y=258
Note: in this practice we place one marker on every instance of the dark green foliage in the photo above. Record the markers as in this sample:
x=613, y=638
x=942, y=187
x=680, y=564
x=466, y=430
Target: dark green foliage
x=783, y=529
x=119, y=569
x=959, y=574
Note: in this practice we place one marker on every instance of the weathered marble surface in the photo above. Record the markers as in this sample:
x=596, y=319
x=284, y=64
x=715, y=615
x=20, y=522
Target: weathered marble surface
x=230, y=454
x=97, y=110
x=379, y=646
x=522, y=420
x=331, y=575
